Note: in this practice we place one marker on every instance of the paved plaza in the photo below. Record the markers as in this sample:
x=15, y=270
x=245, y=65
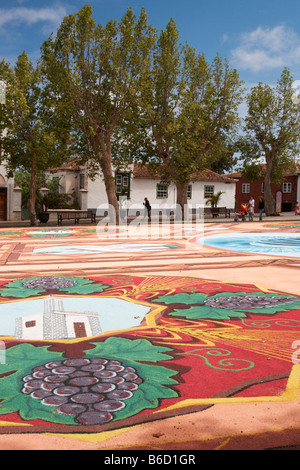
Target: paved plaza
x=161, y=337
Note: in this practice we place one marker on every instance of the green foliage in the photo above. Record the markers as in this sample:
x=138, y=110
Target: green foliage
x=28, y=140
x=191, y=109
x=214, y=199
x=52, y=200
x=271, y=134
x=93, y=77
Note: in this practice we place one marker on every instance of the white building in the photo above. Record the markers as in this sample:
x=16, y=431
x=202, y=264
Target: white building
x=136, y=183
x=10, y=198
x=57, y=323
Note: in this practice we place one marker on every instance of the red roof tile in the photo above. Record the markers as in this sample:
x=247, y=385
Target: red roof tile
x=73, y=165
x=141, y=171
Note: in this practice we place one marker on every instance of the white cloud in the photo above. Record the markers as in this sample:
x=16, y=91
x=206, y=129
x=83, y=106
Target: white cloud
x=32, y=16
x=266, y=49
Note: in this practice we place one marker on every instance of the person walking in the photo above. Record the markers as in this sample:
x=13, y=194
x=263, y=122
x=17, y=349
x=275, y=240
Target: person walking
x=251, y=209
x=297, y=208
x=261, y=208
x=147, y=205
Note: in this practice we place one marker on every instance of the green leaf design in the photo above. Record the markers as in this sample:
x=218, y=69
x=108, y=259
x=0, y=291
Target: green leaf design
x=132, y=350
x=20, y=360
x=23, y=358
x=199, y=312
x=200, y=308
x=156, y=378
x=19, y=290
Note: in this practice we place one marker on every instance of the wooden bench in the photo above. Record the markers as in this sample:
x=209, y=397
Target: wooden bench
x=76, y=215
x=216, y=211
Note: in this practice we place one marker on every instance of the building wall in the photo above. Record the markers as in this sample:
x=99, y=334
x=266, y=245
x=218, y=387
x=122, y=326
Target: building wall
x=288, y=199
x=69, y=181
x=13, y=212
x=145, y=187
x=33, y=332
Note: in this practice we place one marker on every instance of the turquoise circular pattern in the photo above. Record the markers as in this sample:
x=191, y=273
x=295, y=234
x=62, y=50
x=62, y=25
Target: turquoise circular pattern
x=268, y=243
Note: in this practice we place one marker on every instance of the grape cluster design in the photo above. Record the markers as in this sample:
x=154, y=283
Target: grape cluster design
x=48, y=282
x=92, y=390
x=247, y=301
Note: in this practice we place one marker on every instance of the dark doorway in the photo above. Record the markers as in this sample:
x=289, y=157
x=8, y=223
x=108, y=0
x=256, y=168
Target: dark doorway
x=80, y=331
x=3, y=203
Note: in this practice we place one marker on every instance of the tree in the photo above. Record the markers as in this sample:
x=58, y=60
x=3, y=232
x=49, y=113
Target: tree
x=214, y=199
x=93, y=76
x=191, y=108
x=27, y=141
x=271, y=135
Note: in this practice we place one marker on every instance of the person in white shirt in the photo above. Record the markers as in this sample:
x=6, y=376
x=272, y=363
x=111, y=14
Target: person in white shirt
x=251, y=209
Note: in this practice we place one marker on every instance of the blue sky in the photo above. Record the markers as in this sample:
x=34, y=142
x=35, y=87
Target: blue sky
x=259, y=38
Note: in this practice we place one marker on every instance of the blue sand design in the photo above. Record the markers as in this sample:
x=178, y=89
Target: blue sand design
x=85, y=249
x=268, y=243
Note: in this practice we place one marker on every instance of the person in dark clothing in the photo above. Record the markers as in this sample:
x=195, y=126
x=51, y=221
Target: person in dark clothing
x=146, y=203
x=261, y=208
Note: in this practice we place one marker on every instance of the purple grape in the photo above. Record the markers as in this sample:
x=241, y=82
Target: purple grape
x=77, y=362
x=99, y=361
x=115, y=367
x=103, y=388
x=64, y=370
x=94, y=417
x=54, y=400
x=56, y=378
x=33, y=384
x=28, y=378
x=40, y=394
x=93, y=368
x=83, y=381
x=87, y=398
x=41, y=374
x=91, y=390
x=80, y=373
x=119, y=395
x=110, y=405
x=66, y=391
x=71, y=409
x=50, y=365
x=128, y=386
x=130, y=377
x=105, y=374
x=48, y=386
x=113, y=380
x=48, y=282
x=129, y=370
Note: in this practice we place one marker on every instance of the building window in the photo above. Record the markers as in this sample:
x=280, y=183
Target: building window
x=161, y=191
x=262, y=188
x=209, y=191
x=122, y=181
x=30, y=324
x=55, y=184
x=81, y=181
x=287, y=188
x=246, y=188
x=189, y=191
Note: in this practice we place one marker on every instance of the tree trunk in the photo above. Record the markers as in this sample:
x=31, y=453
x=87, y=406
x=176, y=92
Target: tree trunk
x=268, y=195
x=109, y=181
x=32, y=198
x=182, y=196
